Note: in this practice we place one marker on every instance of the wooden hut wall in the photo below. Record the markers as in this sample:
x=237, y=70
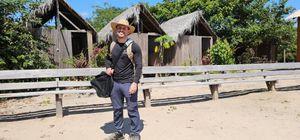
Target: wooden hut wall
x=142, y=40
x=188, y=51
x=61, y=44
x=60, y=53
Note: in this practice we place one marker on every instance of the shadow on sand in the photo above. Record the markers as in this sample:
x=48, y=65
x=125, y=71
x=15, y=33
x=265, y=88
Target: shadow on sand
x=109, y=127
x=96, y=108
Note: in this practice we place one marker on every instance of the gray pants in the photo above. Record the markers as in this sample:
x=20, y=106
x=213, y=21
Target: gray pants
x=119, y=92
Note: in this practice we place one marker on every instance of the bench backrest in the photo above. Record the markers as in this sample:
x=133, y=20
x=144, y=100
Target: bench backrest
x=48, y=80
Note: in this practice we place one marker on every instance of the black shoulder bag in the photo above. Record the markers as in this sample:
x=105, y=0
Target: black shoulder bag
x=103, y=83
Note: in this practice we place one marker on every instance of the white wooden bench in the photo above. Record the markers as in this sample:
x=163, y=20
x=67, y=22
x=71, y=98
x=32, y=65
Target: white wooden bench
x=215, y=75
x=14, y=83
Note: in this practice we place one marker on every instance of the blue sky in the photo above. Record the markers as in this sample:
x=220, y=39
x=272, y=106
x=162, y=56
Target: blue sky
x=85, y=7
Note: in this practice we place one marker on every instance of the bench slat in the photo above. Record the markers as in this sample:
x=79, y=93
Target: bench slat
x=206, y=68
x=53, y=73
x=48, y=73
x=27, y=85
x=176, y=84
x=73, y=83
x=26, y=94
x=218, y=76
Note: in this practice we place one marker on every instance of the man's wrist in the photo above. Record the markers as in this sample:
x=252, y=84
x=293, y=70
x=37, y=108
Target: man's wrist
x=134, y=83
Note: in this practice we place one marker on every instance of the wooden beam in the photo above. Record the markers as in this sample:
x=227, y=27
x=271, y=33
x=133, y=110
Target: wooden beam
x=156, y=26
x=153, y=34
x=58, y=100
x=66, y=18
x=58, y=28
x=214, y=89
x=271, y=85
x=147, y=98
x=90, y=46
x=298, y=40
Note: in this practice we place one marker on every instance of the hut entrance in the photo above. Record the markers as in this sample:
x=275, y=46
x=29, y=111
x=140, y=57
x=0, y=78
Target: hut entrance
x=206, y=44
x=79, y=44
x=153, y=59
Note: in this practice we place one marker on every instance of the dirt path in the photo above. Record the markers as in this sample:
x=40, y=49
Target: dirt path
x=179, y=113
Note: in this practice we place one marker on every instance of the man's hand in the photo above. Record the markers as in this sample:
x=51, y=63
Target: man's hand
x=109, y=71
x=133, y=88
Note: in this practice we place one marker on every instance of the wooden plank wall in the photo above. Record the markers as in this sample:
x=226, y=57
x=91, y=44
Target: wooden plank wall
x=62, y=51
x=188, y=51
x=90, y=45
x=142, y=40
x=65, y=45
x=58, y=51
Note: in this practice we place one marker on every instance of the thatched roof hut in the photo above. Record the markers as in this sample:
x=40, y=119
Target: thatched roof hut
x=291, y=16
x=138, y=16
x=72, y=35
x=70, y=20
x=189, y=24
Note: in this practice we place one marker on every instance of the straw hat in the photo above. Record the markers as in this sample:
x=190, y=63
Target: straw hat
x=122, y=22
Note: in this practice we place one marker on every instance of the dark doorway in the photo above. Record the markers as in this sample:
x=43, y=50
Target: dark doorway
x=152, y=56
x=205, y=46
x=79, y=44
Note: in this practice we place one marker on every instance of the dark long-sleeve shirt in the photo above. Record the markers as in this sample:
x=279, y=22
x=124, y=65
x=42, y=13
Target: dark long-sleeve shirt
x=124, y=70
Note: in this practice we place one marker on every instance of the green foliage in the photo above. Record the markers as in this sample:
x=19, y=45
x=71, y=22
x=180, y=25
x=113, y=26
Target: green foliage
x=99, y=55
x=79, y=61
x=221, y=53
x=243, y=23
x=103, y=15
x=290, y=53
x=249, y=57
x=19, y=49
x=165, y=42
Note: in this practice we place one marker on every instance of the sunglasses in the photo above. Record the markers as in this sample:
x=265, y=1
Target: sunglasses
x=122, y=27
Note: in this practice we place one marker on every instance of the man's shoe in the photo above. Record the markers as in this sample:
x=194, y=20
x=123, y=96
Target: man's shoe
x=134, y=137
x=116, y=136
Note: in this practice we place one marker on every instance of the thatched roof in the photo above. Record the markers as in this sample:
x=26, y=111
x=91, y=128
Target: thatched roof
x=47, y=11
x=294, y=15
x=136, y=15
x=185, y=25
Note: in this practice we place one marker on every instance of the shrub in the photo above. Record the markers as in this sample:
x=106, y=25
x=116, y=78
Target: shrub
x=221, y=53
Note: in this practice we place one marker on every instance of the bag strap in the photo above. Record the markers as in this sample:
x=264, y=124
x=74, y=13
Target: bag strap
x=129, y=50
x=128, y=44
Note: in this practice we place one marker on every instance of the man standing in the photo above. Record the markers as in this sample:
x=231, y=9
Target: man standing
x=126, y=74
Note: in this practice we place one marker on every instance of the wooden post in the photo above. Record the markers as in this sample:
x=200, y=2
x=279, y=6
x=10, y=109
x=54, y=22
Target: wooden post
x=211, y=41
x=147, y=98
x=271, y=85
x=58, y=100
x=201, y=50
x=58, y=28
x=298, y=40
x=284, y=56
x=214, y=91
x=90, y=46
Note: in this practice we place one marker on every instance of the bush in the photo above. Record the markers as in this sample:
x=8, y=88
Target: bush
x=248, y=57
x=99, y=55
x=290, y=53
x=19, y=49
x=221, y=53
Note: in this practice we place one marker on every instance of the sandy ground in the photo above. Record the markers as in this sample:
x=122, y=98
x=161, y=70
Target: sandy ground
x=245, y=111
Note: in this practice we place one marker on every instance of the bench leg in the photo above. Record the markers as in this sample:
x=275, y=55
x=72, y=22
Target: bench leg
x=59, y=109
x=147, y=97
x=214, y=91
x=271, y=85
